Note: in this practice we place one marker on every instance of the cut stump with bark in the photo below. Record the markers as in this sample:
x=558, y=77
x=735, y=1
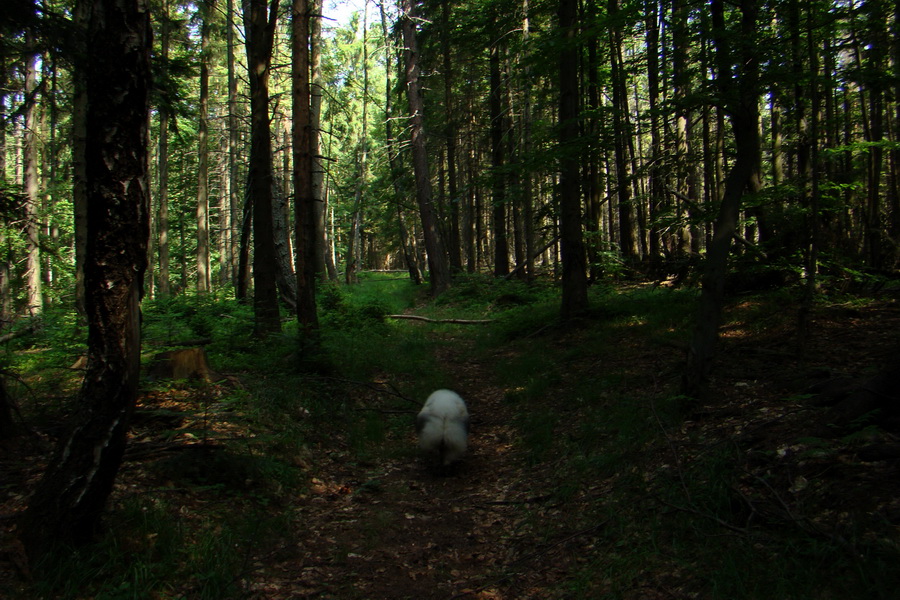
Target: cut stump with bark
x=188, y=363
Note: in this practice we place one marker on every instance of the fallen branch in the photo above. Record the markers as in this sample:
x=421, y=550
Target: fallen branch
x=454, y=321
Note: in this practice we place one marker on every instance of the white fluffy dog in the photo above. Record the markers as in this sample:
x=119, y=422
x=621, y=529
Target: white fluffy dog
x=443, y=426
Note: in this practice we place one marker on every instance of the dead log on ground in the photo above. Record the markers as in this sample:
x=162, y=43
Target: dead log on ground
x=453, y=321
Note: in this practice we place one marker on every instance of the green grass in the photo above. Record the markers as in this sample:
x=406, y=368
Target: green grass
x=586, y=418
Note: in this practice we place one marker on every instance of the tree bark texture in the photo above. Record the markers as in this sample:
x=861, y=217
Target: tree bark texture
x=32, y=275
x=409, y=254
x=740, y=95
x=305, y=214
x=315, y=138
x=627, y=242
x=203, y=278
x=79, y=177
x=574, y=275
x=438, y=264
x=232, y=202
x=498, y=177
x=453, y=244
x=260, y=30
x=69, y=500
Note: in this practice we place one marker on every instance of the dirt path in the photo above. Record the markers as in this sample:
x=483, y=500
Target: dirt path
x=399, y=530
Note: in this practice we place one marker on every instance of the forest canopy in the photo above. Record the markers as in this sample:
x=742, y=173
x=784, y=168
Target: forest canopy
x=652, y=148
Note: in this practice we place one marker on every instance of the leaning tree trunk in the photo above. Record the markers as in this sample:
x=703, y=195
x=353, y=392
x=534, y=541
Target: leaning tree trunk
x=69, y=500
x=740, y=93
x=438, y=263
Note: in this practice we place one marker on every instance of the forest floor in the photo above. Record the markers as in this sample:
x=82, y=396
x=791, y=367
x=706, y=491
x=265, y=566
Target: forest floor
x=812, y=443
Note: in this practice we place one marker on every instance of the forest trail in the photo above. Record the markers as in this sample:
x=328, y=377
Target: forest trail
x=201, y=513
x=398, y=529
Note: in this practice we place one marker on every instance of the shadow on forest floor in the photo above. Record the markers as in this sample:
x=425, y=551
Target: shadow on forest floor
x=587, y=476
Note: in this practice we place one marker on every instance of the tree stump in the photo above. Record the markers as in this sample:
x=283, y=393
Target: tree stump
x=188, y=363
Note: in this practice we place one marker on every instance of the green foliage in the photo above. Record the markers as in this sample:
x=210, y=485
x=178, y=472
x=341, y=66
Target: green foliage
x=190, y=316
x=339, y=311
x=151, y=551
x=484, y=294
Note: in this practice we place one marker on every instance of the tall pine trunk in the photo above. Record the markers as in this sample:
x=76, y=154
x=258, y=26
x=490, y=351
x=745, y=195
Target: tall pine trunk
x=498, y=177
x=574, y=276
x=437, y=258
x=315, y=139
x=450, y=125
x=203, y=280
x=33, y=288
x=622, y=133
x=409, y=252
x=260, y=38
x=304, y=201
x=232, y=203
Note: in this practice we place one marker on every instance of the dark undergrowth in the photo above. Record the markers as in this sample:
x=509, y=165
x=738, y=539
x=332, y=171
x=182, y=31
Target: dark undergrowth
x=752, y=495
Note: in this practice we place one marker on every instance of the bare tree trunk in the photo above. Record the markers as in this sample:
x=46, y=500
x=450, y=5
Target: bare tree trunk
x=33, y=286
x=260, y=39
x=315, y=139
x=627, y=242
x=684, y=163
x=353, y=261
x=437, y=258
x=244, y=278
x=527, y=184
x=594, y=188
x=813, y=219
x=162, y=220
x=231, y=203
x=655, y=173
x=409, y=255
x=740, y=94
x=50, y=127
x=79, y=134
x=453, y=243
x=203, y=280
x=282, y=231
x=498, y=177
x=304, y=201
x=574, y=275
x=70, y=498
x=285, y=278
